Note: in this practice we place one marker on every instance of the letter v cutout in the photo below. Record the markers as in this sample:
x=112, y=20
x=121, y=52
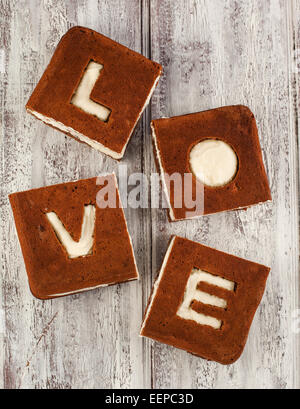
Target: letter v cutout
x=74, y=248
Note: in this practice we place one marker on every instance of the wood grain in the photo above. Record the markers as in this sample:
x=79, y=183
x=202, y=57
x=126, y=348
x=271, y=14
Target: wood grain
x=218, y=53
x=79, y=341
x=214, y=53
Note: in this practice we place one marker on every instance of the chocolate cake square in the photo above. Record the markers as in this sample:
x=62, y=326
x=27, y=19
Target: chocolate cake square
x=204, y=301
x=72, y=237
x=94, y=90
x=221, y=152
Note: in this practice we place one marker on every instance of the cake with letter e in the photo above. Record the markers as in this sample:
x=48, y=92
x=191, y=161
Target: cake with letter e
x=94, y=90
x=73, y=237
x=204, y=301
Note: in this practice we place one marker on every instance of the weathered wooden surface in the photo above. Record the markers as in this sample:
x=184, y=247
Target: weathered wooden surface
x=214, y=52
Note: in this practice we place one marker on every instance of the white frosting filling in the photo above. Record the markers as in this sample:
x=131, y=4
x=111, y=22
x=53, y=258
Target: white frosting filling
x=78, y=291
x=213, y=162
x=94, y=144
x=192, y=293
x=162, y=173
x=81, y=97
x=86, y=289
x=83, y=138
x=74, y=248
x=157, y=282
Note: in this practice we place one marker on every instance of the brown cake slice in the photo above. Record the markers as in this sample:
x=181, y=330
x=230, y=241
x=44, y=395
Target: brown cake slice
x=94, y=90
x=71, y=241
x=204, y=301
x=220, y=150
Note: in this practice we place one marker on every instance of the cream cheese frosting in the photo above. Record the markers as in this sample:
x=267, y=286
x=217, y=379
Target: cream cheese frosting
x=192, y=293
x=162, y=173
x=213, y=162
x=84, y=246
x=81, y=99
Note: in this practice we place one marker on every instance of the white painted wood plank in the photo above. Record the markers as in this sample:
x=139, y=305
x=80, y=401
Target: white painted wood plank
x=88, y=340
x=293, y=18
x=218, y=53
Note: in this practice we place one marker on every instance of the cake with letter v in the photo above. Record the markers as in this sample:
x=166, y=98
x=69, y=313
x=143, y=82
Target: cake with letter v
x=73, y=237
x=204, y=301
x=94, y=90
